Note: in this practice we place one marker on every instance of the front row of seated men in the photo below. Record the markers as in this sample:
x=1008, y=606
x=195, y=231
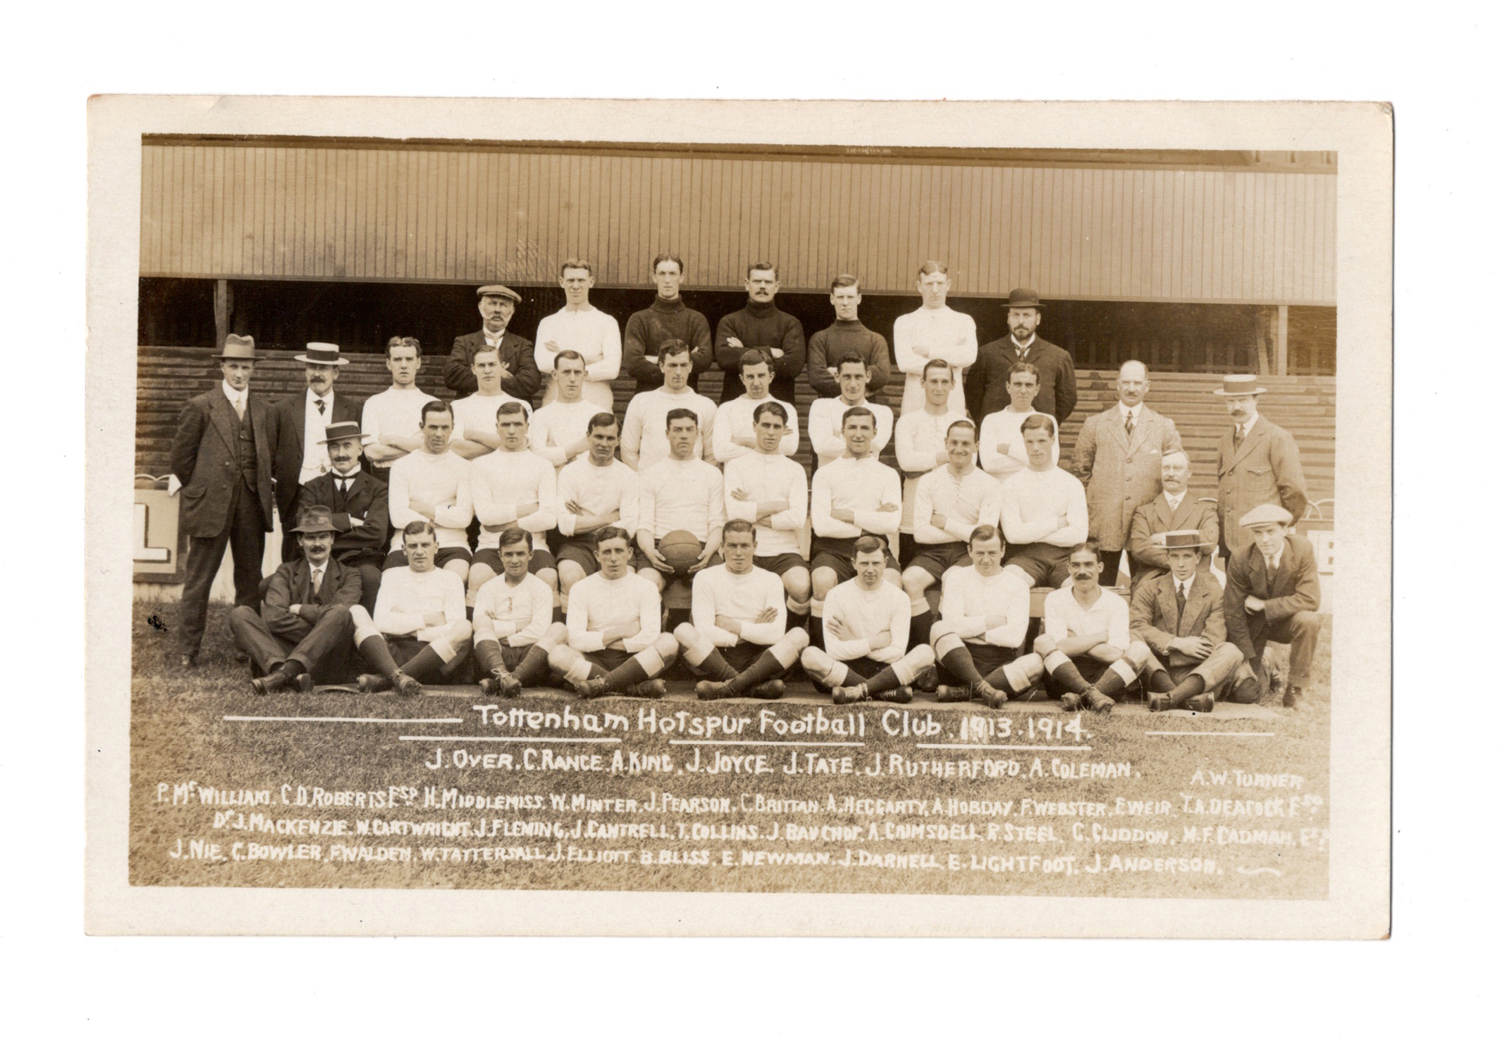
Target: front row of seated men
x=1190, y=642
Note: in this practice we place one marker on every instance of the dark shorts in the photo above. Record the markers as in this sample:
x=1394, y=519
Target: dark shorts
x=642, y=563
x=861, y=669
x=742, y=654
x=609, y=659
x=398, y=558
x=937, y=559
x=781, y=563
x=404, y=648
x=1089, y=668
x=580, y=550
x=838, y=555
x=1047, y=565
x=541, y=560
x=987, y=658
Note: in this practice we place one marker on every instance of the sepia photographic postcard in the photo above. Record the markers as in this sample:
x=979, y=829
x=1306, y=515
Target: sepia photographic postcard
x=446, y=577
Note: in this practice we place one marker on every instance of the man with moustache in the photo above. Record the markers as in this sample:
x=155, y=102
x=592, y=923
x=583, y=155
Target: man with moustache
x=593, y=492
x=933, y=331
x=358, y=507
x=391, y=420
x=1118, y=458
x=1043, y=510
x=761, y=326
x=296, y=427
x=559, y=429
x=643, y=441
x=734, y=422
x=221, y=469
x=518, y=375
x=512, y=622
x=1258, y=463
x=581, y=329
x=847, y=335
x=679, y=493
x=512, y=488
x=301, y=632
x=1272, y=592
x=738, y=640
x=666, y=320
x=867, y=623
x=1057, y=388
x=1002, y=450
x=1172, y=510
x=921, y=437
x=825, y=420
x=432, y=485
x=769, y=491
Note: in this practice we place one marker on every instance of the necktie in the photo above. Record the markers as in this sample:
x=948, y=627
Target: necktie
x=239, y=407
x=1181, y=606
x=1129, y=424
x=343, y=486
x=317, y=580
x=1271, y=570
x=321, y=404
x=1239, y=436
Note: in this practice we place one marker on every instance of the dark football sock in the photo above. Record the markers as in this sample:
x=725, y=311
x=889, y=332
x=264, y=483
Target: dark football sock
x=1066, y=675
x=533, y=667
x=378, y=654
x=487, y=654
x=714, y=667
x=627, y=675
x=961, y=663
x=761, y=669
x=425, y=667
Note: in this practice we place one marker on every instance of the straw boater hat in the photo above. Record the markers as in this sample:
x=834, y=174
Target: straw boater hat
x=1024, y=298
x=237, y=348
x=1240, y=387
x=343, y=431
x=499, y=290
x=1266, y=513
x=322, y=354
x=1187, y=538
x=314, y=519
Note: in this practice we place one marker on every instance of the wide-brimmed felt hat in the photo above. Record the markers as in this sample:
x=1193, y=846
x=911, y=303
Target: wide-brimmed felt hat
x=342, y=431
x=1266, y=513
x=1240, y=387
x=314, y=519
x=322, y=354
x=499, y=290
x=1186, y=538
x=1024, y=298
x=238, y=348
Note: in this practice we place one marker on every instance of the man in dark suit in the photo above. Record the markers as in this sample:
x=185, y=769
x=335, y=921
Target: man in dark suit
x=1180, y=616
x=303, y=630
x=1172, y=510
x=1271, y=592
x=359, y=505
x=984, y=385
x=518, y=372
x=1258, y=463
x=296, y=429
x=221, y=464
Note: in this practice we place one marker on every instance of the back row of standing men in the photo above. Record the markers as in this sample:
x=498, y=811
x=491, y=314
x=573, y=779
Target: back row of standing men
x=487, y=463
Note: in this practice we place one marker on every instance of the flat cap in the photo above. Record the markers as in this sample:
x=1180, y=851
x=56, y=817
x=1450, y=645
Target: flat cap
x=499, y=290
x=1266, y=513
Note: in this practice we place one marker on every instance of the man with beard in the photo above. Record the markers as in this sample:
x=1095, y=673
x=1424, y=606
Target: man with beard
x=1258, y=463
x=1172, y=510
x=518, y=375
x=847, y=335
x=1057, y=388
x=668, y=319
x=1085, y=642
x=512, y=622
x=358, y=506
x=581, y=329
x=933, y=331
x=761, y=326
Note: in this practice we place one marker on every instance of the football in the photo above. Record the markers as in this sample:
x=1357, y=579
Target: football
x=681, y=548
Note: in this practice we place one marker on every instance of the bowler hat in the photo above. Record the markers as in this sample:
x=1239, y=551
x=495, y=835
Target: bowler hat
x=342, y=432
x=1024, y=298
x=322, y=354
x=499, y=290
x=1187, y=538
x=315, y=519
x=1266, y=513
x=239, y=348
x=1240, y=387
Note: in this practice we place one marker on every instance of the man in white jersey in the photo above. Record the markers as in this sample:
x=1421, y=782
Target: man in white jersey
x=1002, y=451
x=933, y=330
x=866, y=624
x=1085, y=642
x=559, y=431
x=770, y=491
x=680, y=493
x=432, y=485
x=583, y=329
x=738, y=640
x=392, y=420
x=920, y=437
x=512, y=487
x=643, y=441
x=512, y=622
x=594, y=492
x=613, y=643
x=419, y=630
x=986, y=611
x=474, y=432
x=1043, y=512
x=734, y=423
x=825, y=419
x=951, y=501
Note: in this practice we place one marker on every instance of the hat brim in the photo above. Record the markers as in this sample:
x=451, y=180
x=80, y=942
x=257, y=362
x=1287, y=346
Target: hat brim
x=320, y=361
x=1035, y=307
x=363, y=439
x=1221, y=393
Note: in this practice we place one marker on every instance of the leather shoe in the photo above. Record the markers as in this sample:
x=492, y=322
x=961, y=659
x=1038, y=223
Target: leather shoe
x=926, y=680
x=709, y=690
x=946, y=693
x=848, y=695
x=271, y=682
x=1071, y=702
x=651, y=689
x=1098, y=702
x=407, y=686
x=770, y=690
x=373, y=683
x=1200, y=702
x=1292, y=695
x=900, y=696
x=305, y=683
x=1158, y=702
x=992, y=696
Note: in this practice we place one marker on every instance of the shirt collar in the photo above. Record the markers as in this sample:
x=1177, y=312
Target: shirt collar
x=1174, y=501
x=1133, y=411
x=1276, y=560
x=312, y=396
x=351, y=475
x=1249, y=426
x=1023, y=346
x=1187, y=584
x=232, y=394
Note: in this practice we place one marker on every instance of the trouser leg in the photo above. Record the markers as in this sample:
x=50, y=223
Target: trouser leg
x=329, y=635
x=247, y=546
x=203, y=560
x=369, y=578
x=254, y=637
x=1301, y=630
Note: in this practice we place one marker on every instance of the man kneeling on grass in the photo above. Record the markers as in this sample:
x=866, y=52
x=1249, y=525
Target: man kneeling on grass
x=738, y=638
x=512, y=619
x=1085, y=641
x=419, y=631
x=866, y=623
x=612, y=643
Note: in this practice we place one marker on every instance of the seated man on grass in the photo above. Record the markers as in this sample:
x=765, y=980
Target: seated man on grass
x=512, y=620
x=1085, y=641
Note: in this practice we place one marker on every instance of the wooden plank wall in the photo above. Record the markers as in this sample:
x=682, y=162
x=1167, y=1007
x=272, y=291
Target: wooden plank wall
x=241, y=210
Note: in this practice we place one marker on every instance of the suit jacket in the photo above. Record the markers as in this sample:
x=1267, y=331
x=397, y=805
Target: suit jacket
x=214, y=449
x=516, y=353
x=1267, y=468
x=1296, y=589
x=291, y=583
x=287, y=422
x=368, y=501
x=1122, y=472
x=1154, y=619
x=1156, y=516
x=984, y=384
